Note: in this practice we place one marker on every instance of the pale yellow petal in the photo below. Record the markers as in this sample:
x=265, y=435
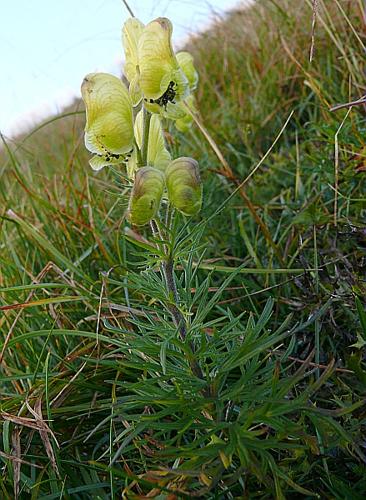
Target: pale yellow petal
x=153, y=107
x=109, y=127
x=99, y=162
x=138, y=127
x=174, y=111
x=131, y=32
x=159, y=68
x=135, y=91
x=157, y=154
x=131, y=165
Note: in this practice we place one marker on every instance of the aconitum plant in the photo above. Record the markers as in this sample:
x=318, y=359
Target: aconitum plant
x=123, y=126
x=124, y=129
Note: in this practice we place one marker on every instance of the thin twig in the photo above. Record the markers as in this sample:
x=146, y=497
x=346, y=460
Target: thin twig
x=313, y=24
x=128, y=8
x=358, y=102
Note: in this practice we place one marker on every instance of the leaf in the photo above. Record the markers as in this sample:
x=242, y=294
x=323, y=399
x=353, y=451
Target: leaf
x=41, y=302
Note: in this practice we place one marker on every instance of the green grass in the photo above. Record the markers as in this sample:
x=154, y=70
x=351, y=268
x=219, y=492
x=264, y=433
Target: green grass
x=98, y=399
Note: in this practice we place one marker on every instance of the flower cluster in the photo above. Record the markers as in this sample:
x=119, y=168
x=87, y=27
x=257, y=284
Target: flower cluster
x=161, y=84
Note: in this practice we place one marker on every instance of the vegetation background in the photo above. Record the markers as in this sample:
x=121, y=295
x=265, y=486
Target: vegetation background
x=97, y=396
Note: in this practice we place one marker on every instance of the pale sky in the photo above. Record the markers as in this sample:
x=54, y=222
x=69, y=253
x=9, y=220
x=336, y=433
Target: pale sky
x=48, y=46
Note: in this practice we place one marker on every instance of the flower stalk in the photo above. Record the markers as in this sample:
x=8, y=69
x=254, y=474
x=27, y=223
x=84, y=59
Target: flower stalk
x=179, y=321
x=145, y=135
x=178, y=318
x=167, y=266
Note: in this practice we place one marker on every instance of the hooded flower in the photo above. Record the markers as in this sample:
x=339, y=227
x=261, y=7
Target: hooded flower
x=162, y=81
x=175, y=109
x=184, y=185
x=109, y=126
x=157, y=155
x=155, y=72
x=131, y=33
x=146, y=195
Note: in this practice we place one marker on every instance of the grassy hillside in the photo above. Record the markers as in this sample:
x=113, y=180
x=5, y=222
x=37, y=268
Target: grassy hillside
x=98, y=399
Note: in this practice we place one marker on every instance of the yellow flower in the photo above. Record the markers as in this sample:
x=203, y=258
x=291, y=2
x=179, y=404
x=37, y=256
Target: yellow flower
x=184, y=185
x=131, y=32
x=175, y=109
x=157, y=154
x=146, y=195
x=162, y=81
x=109, y=126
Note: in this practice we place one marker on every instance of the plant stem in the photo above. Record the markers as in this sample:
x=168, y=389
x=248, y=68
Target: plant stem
x=167, y=267
x=169, y=215
x=178, y=318
x=139, y=157
x=145, y=136
x=172, y=288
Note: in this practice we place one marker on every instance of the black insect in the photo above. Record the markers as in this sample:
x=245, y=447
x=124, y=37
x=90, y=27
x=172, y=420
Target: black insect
x=168, y=96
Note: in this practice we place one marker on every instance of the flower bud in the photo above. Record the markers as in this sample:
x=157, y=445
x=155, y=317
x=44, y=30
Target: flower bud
x=184, y=185
x=185, y=61
x=146, y=195
x=184, y=123
x=109, y=126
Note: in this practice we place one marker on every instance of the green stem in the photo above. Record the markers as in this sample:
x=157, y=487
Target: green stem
x=145, y=136
x=178, y=318
x=168, y=216
x=139, y=157
x=167, y=271
x=167, y=267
